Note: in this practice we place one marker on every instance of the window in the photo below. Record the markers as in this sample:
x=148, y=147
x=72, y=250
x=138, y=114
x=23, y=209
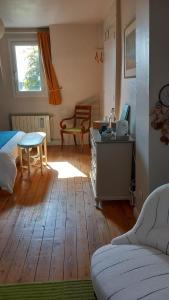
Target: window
x=27, y=69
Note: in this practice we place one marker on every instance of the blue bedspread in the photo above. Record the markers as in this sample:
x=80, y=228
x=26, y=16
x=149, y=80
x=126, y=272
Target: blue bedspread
x=5, y=136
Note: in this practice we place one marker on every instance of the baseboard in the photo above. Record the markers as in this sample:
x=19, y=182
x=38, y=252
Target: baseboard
x=54, y=142
x=57, y=142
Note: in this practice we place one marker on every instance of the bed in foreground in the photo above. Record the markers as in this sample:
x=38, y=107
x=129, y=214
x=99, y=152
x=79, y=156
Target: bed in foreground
x=8, y=155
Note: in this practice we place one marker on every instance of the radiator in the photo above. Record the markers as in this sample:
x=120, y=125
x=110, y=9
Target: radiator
x=30, y=123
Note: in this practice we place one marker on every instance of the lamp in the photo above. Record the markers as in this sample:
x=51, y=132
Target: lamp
x=2, y=29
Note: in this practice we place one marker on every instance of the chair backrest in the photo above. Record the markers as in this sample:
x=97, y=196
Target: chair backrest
x=82, y=112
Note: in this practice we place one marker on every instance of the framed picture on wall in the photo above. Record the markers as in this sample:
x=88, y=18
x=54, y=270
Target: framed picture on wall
x=130, y=50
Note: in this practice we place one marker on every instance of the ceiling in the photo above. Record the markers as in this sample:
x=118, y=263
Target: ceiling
x=42, y=13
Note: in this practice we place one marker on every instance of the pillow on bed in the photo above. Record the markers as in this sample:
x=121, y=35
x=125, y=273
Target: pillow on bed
x=8, y=171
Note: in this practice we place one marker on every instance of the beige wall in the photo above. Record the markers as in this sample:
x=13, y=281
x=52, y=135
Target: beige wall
x=73, y=51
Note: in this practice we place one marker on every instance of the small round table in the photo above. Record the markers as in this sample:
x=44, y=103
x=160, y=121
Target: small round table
x=29, y=141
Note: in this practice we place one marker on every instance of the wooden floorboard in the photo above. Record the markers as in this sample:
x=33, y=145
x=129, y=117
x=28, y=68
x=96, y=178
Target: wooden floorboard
x=49, y=226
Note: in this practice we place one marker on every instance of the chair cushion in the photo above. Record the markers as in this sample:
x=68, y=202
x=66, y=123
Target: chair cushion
x=74, y=129
x=130, y=272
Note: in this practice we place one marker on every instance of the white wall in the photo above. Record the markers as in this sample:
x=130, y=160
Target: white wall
x=73, y=51
x=142, y=105
x=152, y=73
x=109, y=67
x=128, y=85
x=159, y=76
x=8, y=102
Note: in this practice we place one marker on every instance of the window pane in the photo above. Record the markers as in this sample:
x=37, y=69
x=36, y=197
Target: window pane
x=28, y=68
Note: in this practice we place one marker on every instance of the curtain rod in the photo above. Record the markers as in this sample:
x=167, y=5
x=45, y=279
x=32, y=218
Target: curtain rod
x=25, y=30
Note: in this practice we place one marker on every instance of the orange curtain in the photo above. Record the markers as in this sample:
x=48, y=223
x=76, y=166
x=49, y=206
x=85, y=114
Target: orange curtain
x=52, y=82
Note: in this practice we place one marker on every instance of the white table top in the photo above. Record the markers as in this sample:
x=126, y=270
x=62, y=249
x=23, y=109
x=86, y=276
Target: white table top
x=32, y=139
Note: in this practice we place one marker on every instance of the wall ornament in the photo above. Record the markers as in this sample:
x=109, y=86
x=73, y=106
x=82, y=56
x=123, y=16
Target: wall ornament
x=160, y=114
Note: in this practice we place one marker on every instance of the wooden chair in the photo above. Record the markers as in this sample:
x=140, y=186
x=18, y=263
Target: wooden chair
x=81, y=123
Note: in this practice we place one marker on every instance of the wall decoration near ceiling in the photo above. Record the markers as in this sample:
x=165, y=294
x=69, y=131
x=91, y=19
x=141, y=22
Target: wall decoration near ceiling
x=160, y=114
x=99, y=55
x=130, y=50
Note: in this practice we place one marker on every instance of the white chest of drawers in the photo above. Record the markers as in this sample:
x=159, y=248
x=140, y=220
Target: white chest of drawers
x=110, y=168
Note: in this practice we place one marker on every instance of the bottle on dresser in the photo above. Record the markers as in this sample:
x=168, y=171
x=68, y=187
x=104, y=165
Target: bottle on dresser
x=112, y=117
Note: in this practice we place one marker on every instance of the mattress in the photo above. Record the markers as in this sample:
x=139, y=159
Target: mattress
x=8, y=155
x=11, y=146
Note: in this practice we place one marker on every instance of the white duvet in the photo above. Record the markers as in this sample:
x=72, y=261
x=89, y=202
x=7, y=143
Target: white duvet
x=8, y=155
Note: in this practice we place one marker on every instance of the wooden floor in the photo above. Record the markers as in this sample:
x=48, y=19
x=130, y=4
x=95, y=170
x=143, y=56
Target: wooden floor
x=49, y=226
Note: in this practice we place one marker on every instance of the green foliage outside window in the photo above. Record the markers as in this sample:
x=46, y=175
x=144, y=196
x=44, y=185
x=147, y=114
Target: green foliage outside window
x=32, y=80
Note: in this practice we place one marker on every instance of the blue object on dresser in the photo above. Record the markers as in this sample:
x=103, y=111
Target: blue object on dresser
x=5, y=136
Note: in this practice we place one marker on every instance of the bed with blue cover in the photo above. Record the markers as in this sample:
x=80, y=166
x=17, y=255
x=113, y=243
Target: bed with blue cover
x=8, y=155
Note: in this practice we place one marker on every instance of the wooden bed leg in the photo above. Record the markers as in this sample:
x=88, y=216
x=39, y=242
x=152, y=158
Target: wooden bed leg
x=28, y=157
x=74, y=136
x=62, y=139
x=20, y=159
x=41, y=159
x=45, y=152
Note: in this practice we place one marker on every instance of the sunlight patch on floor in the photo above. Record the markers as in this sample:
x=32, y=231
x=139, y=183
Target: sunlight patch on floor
x=65, y=169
